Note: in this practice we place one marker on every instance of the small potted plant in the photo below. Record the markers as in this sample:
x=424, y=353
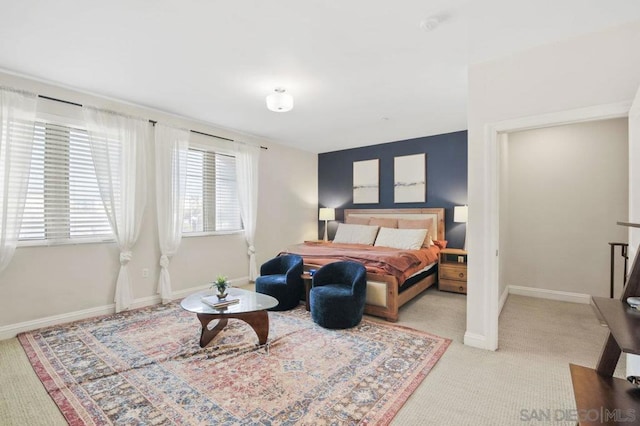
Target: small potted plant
x=221, y=284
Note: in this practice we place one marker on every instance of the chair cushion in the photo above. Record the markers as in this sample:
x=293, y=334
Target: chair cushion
x=276, y=286
x=269, y=281
x=334, y=291
x=334, y=306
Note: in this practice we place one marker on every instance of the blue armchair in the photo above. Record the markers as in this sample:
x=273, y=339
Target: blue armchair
x=338, y=294
x=281, y=277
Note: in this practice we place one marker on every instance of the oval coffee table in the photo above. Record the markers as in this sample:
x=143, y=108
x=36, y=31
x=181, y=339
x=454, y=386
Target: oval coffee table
x=251, y=308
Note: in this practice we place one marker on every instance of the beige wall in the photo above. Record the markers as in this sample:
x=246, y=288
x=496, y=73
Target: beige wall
x=592, y=70
x=566, y=188
x=61, y=280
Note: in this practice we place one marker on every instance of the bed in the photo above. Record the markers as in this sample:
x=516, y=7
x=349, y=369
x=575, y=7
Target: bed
x=390, y=283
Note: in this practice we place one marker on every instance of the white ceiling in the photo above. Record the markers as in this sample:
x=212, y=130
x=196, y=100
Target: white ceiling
x=361, y=71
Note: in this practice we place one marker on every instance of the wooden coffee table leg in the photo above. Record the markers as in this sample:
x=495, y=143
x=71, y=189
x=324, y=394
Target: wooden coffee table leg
x=259, y=321
x=207, y=335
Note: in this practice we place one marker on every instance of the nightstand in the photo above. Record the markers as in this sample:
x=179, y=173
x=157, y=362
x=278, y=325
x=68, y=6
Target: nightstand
x=452, y=270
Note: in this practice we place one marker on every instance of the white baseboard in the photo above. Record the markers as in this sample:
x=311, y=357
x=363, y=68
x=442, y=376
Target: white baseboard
x=480, y=341
x=541, y=293
x=503, y=299
x=12, y=330
x=476, y=341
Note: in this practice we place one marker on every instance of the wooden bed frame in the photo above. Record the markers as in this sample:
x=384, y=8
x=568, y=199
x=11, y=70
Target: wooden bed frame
x=393, y=299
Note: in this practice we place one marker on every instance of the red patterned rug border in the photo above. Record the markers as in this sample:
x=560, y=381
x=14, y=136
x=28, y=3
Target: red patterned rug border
x=418, y=379
x=420, y=376
x=64, y=405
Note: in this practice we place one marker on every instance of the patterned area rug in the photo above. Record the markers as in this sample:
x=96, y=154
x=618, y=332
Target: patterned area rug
x=146, y=367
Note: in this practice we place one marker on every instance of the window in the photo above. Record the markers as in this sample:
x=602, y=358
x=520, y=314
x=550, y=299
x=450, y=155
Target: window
x=211, y=201
x=63, y=200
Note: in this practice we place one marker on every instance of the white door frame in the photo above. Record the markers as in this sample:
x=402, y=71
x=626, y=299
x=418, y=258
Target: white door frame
x=489, y=297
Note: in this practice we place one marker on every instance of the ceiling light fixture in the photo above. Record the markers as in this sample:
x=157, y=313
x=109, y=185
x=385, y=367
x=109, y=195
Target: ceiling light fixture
x=430, y=23
x=280, y=101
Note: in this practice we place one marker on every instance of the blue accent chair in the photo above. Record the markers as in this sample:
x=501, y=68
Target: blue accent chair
x=281, y=278
x=338, y=294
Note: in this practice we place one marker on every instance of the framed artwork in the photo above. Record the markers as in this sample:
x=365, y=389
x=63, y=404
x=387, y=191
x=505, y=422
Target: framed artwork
x=366, y=182
x=410, y=179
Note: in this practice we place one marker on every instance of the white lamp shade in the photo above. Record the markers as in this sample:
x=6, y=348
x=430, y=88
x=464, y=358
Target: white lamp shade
x=460, y=214
x=279, y=101
x=327, y=214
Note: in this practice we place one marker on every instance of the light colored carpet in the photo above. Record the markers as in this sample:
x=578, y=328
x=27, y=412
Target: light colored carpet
x=538, y=340
x=530, y=371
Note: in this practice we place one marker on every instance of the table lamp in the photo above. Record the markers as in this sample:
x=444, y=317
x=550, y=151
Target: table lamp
x=326, y=214
x=460, y=214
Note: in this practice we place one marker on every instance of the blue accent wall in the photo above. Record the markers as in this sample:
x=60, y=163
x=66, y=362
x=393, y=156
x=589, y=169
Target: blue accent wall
x=446, y=178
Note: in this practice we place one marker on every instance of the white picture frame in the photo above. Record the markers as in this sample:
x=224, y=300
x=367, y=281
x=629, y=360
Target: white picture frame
x=410, y=179
x=366, y=182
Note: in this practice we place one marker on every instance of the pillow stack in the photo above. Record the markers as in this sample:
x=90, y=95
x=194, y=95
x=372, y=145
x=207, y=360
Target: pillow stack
x=355, y=234
x=419, y=224
x=406, y=234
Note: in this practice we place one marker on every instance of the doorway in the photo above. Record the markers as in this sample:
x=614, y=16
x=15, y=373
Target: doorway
x=562, y=190
x=483, y=303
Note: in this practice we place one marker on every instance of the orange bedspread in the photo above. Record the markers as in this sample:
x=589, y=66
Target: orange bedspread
x=378, y=260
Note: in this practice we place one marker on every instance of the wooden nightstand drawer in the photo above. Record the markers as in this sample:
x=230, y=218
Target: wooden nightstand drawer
x=452, y=285
x=453, y=273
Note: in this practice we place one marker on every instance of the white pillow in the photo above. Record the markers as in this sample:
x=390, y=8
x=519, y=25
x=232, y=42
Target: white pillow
x=355, y=234
x=406, y=239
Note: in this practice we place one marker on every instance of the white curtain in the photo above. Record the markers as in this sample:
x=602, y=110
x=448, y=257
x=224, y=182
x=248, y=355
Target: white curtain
x=17, y=117
x=171, y=149
x=118, y=145
x=247, y=158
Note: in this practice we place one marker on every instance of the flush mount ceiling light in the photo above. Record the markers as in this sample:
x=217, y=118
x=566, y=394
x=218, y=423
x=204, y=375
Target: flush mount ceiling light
x=430, y=23
x=279, y=101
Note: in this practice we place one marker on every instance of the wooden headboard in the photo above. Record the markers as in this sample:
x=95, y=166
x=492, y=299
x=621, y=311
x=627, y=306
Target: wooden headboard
x=436, y=214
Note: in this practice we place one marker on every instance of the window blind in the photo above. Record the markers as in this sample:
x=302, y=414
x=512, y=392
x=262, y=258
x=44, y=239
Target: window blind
x=63, y=199
x=227, y=205
x=211, y=200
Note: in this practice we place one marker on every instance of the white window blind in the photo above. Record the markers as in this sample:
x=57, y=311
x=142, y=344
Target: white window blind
x=211, y=202
x=63, y=199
